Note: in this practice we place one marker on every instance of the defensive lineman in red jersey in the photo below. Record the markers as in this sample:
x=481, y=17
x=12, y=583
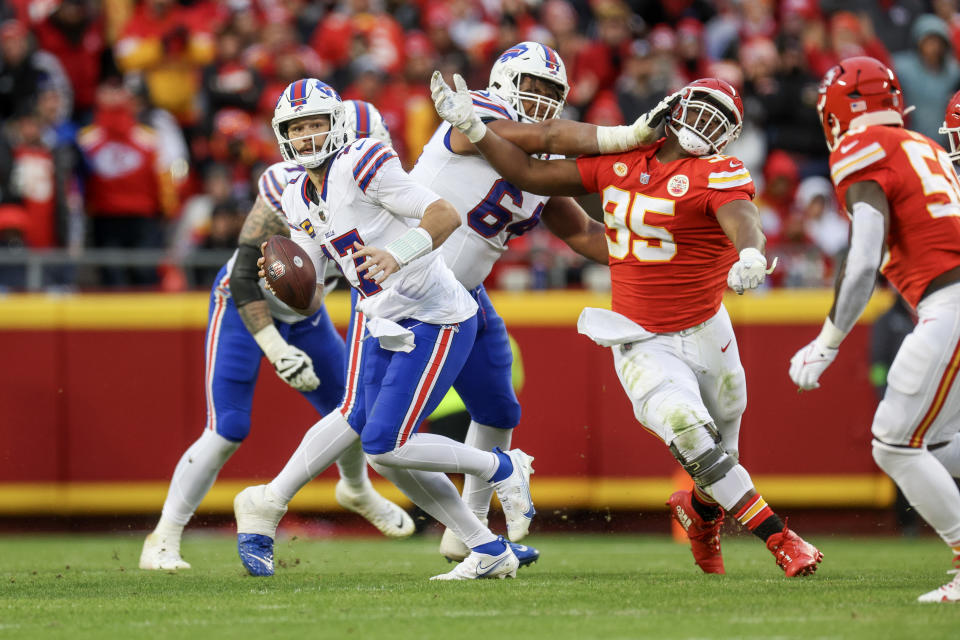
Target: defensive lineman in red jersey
x=904, y=200
x=677, y=214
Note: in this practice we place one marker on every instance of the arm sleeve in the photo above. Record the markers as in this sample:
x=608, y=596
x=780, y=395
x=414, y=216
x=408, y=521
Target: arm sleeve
x=860, y=272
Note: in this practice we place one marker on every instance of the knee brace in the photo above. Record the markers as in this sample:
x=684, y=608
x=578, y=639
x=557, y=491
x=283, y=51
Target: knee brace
x=705, y=466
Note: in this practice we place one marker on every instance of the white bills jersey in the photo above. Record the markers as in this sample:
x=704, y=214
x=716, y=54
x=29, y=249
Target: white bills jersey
x=364, y=197
x=270, y=187
x=491, y=209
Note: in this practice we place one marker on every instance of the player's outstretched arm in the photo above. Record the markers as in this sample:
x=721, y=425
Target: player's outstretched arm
x=563, y=137
x=871, y=218
x=568, y=221
x=550, y=177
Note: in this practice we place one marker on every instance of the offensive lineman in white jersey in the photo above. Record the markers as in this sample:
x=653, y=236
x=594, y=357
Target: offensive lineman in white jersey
x=354, y=198
x=246, y=322
x=527, y=92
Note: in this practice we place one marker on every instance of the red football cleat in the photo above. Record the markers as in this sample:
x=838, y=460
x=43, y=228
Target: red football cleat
x=793, y=554
x=704, y=536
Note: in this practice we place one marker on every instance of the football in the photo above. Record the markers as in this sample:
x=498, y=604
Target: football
x=289, y=272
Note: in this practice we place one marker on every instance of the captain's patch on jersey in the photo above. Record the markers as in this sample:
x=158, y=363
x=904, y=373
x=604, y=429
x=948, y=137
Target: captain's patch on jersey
x=620, y=169
x=678, y=185
x=308, y=227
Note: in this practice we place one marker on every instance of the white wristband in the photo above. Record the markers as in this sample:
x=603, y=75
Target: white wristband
x=830, y=336
x=411, y=245
x=614, y=139
x=271, y=342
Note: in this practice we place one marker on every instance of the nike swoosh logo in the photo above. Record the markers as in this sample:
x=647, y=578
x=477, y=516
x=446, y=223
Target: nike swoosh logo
x=482, y=570
x=400, y=524
x=926, y=320
x=266, y=563
x=316, y=320
x=724, y=348
x=847, y=147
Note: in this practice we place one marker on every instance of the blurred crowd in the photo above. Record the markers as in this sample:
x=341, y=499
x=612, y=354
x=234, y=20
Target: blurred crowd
x=145, y=123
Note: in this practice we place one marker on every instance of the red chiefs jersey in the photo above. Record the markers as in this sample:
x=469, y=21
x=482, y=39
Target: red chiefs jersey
x=669, y=256
x=918, y=179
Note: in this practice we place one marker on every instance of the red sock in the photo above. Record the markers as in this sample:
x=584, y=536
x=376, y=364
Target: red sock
x=759, y=518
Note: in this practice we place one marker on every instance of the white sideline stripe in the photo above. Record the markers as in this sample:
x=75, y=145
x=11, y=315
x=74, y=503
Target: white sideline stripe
x=213, y=337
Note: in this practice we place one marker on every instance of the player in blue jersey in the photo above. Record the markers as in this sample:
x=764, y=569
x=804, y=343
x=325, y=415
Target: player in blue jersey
x=351, y=208
x=246, y=322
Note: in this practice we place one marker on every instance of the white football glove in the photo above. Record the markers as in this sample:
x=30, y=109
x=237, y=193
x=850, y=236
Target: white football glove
x=642, y=132
x=456, y=107
x=645, y=127
x=808, y=364
x=296, y=369
x=747, y=272
x=293, y=365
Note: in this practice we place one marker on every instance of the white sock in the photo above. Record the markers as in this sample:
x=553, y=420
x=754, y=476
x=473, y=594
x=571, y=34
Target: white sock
x=432, y=452
x=433, y=492
x=194, y=475
x=353, y=467
x=321, y=445
x=926, y=484
x=477, y=491
x=949, y=455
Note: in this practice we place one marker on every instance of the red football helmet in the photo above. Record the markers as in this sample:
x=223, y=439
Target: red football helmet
x=708, y=115
x=858, y=92
x=951, y=126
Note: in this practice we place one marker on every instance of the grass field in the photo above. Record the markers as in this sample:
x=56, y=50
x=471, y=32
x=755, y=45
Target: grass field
x=589, y=586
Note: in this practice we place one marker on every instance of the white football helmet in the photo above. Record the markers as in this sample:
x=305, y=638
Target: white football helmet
x=708, y=115
x=364, y=121
x=529, y=59
x=310, y=97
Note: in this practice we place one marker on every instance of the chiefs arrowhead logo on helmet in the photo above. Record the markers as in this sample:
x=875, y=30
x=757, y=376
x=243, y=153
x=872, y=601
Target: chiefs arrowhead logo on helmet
x=858, y=92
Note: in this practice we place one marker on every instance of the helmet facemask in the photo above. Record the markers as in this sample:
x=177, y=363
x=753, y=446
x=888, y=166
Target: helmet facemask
x=314, y=154
x=541, y=107
x=703, y=126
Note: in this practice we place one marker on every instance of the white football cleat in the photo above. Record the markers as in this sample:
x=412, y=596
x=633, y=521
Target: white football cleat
x=949, y=592
x=389, y=518
x=514, y=494
x=158, y=555
x=452, y=548
x=481, y=565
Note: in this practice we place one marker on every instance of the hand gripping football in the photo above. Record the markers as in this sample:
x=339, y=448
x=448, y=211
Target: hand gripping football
x=289, y=272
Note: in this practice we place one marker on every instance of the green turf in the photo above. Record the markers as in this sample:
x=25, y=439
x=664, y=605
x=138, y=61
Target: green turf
x=608, y=587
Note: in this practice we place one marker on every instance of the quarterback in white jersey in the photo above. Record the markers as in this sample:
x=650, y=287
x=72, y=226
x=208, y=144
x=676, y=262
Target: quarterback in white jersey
x=353, y=197
x=246, y=321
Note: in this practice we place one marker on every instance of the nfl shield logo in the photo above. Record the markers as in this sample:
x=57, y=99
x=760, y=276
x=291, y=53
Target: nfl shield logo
x=644, y=178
